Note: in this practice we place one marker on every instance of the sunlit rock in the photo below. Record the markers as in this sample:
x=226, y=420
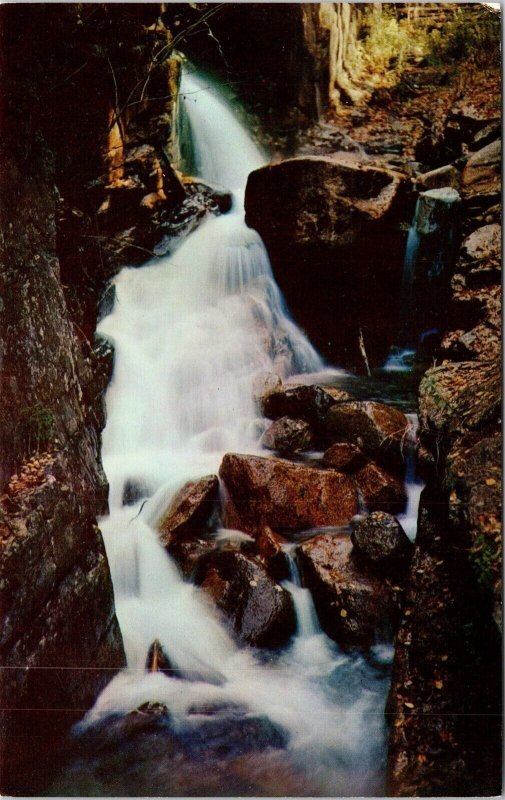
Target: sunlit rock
x=283, y=495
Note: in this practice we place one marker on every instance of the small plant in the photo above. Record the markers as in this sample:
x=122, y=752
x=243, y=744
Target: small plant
x=35, y=428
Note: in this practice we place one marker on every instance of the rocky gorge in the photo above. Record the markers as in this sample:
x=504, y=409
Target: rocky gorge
x=363, y=112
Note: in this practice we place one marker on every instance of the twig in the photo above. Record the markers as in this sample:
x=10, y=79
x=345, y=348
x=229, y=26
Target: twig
x=361, y=343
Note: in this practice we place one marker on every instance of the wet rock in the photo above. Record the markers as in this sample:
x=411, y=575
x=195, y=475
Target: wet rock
x=190, y=511
x=233, y=735
x=353, y=605
x=315, y=215
x=158, y=661
x=308, y=403
x=283, y=495
x=377, y=429
x=482, y=173
x=264, y=383
x=222, y=200
x=133, y=491
x=187, y=552
x=287, y=436
x=381, y=542
x=379, y=490
x=259, y=611
x=218, y=750
x=270, y=546
x=344, y=457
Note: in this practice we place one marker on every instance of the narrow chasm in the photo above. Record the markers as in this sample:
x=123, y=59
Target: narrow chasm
x=250, y=495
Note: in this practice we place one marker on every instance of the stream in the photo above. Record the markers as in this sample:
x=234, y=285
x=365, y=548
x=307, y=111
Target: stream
x=192, y=332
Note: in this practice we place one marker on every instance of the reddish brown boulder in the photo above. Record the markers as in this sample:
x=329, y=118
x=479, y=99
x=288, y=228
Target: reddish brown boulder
x=287, y=436
x=190, y=510
x=377, y=429
x=344, y=457
x=283, y=495
x=380, y=490
x=353, y=605
x=258, y=610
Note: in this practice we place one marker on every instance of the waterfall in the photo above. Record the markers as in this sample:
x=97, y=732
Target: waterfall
x=429, y=254
x=191, y=332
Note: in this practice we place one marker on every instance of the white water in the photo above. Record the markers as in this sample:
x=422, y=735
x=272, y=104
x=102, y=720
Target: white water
x=413, y=486
x=191, y=332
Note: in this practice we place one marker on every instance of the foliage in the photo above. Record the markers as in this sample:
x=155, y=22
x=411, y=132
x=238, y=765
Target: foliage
x=471, y=35
x=389, y=39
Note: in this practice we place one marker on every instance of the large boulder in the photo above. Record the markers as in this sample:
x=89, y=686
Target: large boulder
x=190, y=510
x=377, y=429
x=381, y=542
x=258, y=610
x=287, y=436
x=325, y=222
x=328, y=197
x=354, y=606
x=283, y=495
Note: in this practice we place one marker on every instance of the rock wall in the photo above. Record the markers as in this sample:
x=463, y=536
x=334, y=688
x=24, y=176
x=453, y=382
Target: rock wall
x=73, y=126
x=445, y=698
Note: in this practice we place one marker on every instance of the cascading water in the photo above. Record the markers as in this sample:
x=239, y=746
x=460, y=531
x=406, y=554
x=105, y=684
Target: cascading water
x=191, y=332
x=429, y=254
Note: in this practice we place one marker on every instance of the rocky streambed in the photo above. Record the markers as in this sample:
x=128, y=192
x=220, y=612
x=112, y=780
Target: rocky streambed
x=322, y=506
